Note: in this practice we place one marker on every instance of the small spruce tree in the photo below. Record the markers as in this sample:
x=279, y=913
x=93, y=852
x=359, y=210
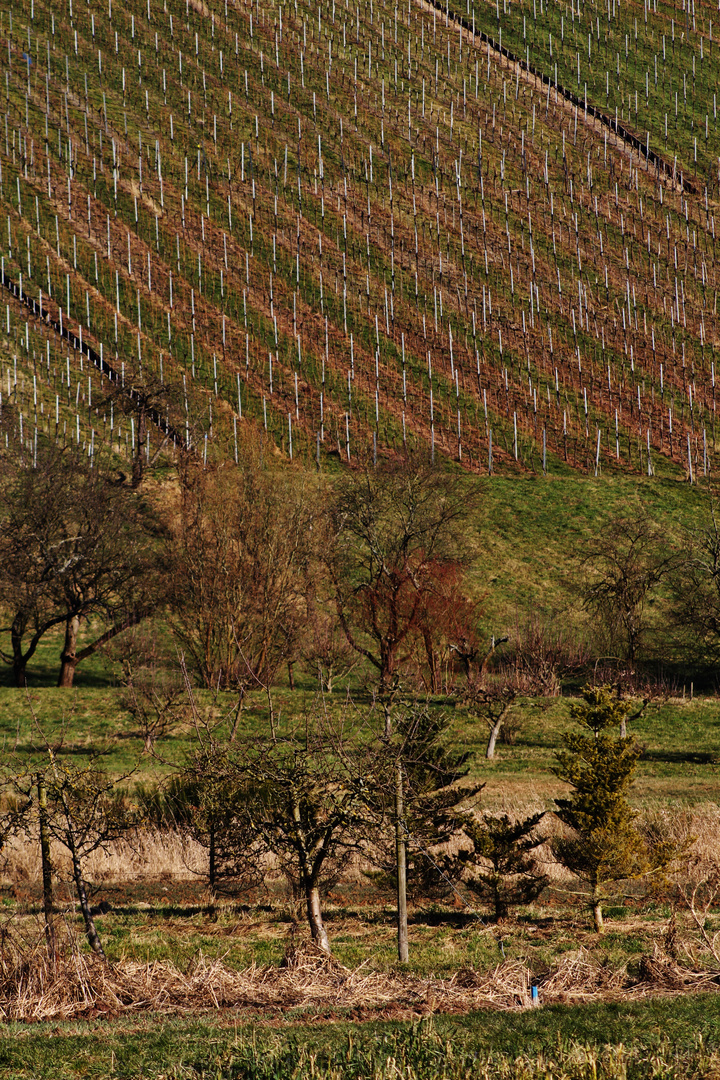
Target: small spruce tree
x=505, y=871
x=603, y=844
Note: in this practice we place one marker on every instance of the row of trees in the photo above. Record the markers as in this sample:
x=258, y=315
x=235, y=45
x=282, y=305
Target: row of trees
x=253, y=568
x=384, y=784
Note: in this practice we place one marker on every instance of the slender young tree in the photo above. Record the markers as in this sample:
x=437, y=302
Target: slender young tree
x=86, y=811
x=419, y=787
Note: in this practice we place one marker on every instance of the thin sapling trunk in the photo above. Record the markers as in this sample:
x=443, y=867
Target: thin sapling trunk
x=46, y=864
x=92, y=934
x=401, y=852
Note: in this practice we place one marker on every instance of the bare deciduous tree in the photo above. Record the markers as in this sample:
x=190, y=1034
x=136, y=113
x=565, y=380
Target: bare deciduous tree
x=492, y=705
x=242, y=547
x=76, y=547
x=299, y=798
x=623, y=565
x=696, y=581
x=399, y=528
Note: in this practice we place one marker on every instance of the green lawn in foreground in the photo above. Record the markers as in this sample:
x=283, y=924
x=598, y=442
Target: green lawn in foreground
x=652, y=1032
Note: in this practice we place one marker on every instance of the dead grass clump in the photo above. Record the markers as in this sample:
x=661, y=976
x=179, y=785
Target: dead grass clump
x=306, y=957
x=34, y=987
x=578, y=976
x=661, y=973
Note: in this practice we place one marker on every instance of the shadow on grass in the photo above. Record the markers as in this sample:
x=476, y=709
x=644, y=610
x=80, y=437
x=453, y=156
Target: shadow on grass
x=682, y=757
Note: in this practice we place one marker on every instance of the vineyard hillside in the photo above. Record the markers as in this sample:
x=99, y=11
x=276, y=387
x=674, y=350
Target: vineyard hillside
x=490, y=230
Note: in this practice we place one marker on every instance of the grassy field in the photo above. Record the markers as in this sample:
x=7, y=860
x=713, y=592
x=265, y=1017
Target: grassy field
x=672, y=1037
x=680, y=738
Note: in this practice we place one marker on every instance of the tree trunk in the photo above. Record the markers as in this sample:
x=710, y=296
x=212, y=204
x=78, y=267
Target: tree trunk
x=46, y=864
x=138, y=465
x=92, y=934
x=401, y=852
x=68, y=657
x=315, y=920
x=19, y=661
x=494, y=732
x=597, y=910
x=212, y=872
x=499, y=901
x=432, y=661
x=19, y=672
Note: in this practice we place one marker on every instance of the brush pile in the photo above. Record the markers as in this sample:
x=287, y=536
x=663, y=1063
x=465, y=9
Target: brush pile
x=579, y=977
x=34, y=986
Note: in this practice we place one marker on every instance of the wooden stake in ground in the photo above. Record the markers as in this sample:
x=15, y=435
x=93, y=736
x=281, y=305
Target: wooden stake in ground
x=401, y=850
x=46, y=864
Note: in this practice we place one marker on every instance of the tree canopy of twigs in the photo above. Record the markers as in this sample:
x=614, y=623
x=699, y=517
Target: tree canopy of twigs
x=240, y=553
x=399, y=531
x=76, y=546
x=622, y=567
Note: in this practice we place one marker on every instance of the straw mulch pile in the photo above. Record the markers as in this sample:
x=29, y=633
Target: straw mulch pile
x=33, y=987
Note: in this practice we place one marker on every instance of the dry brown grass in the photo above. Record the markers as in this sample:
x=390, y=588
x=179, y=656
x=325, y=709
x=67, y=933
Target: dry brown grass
x=34, y=987
x=150, y=855
x=155, y=855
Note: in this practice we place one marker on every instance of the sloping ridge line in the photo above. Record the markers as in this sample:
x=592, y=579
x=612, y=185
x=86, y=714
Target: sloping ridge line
x=97, y=359
x=660, y=164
